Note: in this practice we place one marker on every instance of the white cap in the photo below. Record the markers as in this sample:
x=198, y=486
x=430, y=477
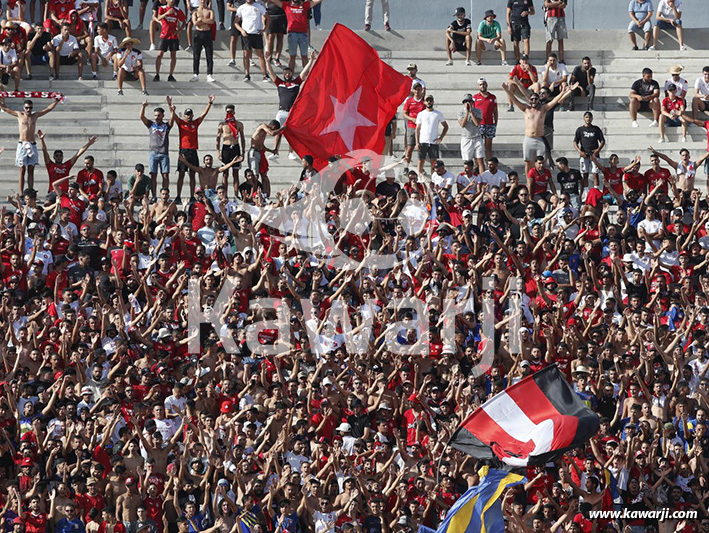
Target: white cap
x=448, y=349
x=327, y=381
x=164, y=332
x=344, y=427
x=87, y=390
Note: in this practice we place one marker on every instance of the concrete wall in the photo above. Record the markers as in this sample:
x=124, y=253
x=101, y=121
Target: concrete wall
x=433, y=14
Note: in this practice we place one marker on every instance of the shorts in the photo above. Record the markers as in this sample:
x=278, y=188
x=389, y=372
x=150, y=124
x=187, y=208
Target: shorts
x=169, y=45
x=298, y=42
x=130, y=75
x=26, y=154
x=488, y=131
x=459, y=43
x=410, y=136
x=278, y=26
x=471, y=149
x=229, y=153
x=192, y=159
x=156, y=160
x=66, y=60
x=633, y=27
x=546, y=196
x=489, y=47
x=586, y=166
x=428, y=151
x=40, y=59
x=282, y=116
x=252, y=41
x=673, y=122
x=644, y=106
x=253, y=160
x=556, y=29
x=666, y=25
x=533, y=147
x=520, y=32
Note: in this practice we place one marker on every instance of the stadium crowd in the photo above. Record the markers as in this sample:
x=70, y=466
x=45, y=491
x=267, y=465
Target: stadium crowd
x=109, y=424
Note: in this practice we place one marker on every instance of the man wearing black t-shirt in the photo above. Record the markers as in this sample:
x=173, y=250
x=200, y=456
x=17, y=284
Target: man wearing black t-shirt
x=589, y=141
x=571, y=181
x=38, y=55
x=518, y=12
x=584, y=74
x=459, y=37
x=288, y=89
x=644, y=96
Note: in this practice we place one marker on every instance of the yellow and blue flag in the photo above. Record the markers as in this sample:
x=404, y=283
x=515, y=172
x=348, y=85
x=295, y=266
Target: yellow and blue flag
x=479, y=510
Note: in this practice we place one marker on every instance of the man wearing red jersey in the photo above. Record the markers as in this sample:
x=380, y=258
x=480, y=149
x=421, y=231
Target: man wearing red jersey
x=633, y=179
x=656, y=175
x=523, y=77
x=612, y=174
x=70, y=200
x=486, y=102
x=90, y=179
x=298, y=25
x=171, y=20
x=58, y=168
x=189, y=143
x=413, y=105
x=541, y=186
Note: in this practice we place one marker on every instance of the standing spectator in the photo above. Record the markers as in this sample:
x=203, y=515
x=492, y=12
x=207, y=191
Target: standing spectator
x=523, y=78
x=369, y=8
x=489, y=38
x=172, y=20
x=298, y=28
x=413, y=105
x=640, y=12
x=540, y=184
x=672, y=114
x=459, y=37
x=588, y=142
x=189, y=143
x=105, y=48
x=555, y=17
x=251, y=22
x=65, y=50
x=486, y=102
x=204, y=22
x=677, y=80
x=130, y=64
x=700, y=102
x=669, y=17
x=518, y=13
x=571, y=182
x=645, y=95
x=585, y=76
x=159, y=146
x=412, y=70
x=427, y=138
x=9, y=65
x=276, y=30
x=471, y=143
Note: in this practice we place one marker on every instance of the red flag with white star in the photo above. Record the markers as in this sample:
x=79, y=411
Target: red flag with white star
x=347, y=100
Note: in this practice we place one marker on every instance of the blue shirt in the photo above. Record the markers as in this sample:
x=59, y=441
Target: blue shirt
x=641, y=9
x=70, y=526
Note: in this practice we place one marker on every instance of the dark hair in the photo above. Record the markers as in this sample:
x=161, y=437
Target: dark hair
x=159, y=110
x=562, y=161
x=647, y=71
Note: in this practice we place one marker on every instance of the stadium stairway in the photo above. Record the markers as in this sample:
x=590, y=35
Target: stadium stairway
x=94, y=108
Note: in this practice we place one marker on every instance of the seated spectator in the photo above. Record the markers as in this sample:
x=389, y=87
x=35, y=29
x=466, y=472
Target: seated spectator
x=669, y=17
x=523, y=78
x=129, y=63
x=115, y=13
x=36, y=52
x=64, y=49
x=18, y=39
x=678, y=81
x=459, y=37
x=9, y=65
x=700, y=102
x=672, y=114
x=640, y=12
x=105, y=50
x=644, y=96
x=489, y=38
x=585, y=76
x=554, y=76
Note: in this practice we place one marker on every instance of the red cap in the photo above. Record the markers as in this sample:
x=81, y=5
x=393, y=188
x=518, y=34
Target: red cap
x=129, y=481
x=549, y=280
x=226, y=407
x=414, y=398
x=27, y=462
x=93, y=197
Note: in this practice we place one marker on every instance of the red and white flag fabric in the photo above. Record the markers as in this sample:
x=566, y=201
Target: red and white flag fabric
x=347, y=100
x=532, y=422
x=33, y=94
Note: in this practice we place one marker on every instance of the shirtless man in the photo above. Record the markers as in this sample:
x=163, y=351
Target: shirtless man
x=26, y=156
x=230, y=133
x=127, y=505
x=164, y=204
x=208, y=174
x=257, y=153
x=534, y=115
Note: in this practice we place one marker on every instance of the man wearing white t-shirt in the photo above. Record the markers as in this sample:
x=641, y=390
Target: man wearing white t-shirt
x=669, y=17
x=442, y=178
x=251, y=22
x=64, y=50
x=427, y=138
x=105, y=48
x=493, y=176
x=700, y=102
x=555, y=76
x=650, y=229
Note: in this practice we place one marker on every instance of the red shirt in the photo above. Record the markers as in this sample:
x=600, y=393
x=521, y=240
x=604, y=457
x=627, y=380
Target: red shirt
x=525, y=76
x=613, y=180
x=670, y=105
x=706, y=127
x=636, y=181
x=76, y=206
x=413, y=107
x=661, y=177
x=61, y=9
x=57, y=172
x=189, y=137
x=90, y=180
x=169, y=24
x=487, y=105
x=35, y=523
x=297, y=16
x=540, y=181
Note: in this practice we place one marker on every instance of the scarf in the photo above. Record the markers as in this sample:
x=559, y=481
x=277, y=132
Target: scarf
x=231, y=122
x=33, y=94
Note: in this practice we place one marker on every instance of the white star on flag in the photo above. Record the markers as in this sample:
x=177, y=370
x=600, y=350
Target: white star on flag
x=347, y=118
